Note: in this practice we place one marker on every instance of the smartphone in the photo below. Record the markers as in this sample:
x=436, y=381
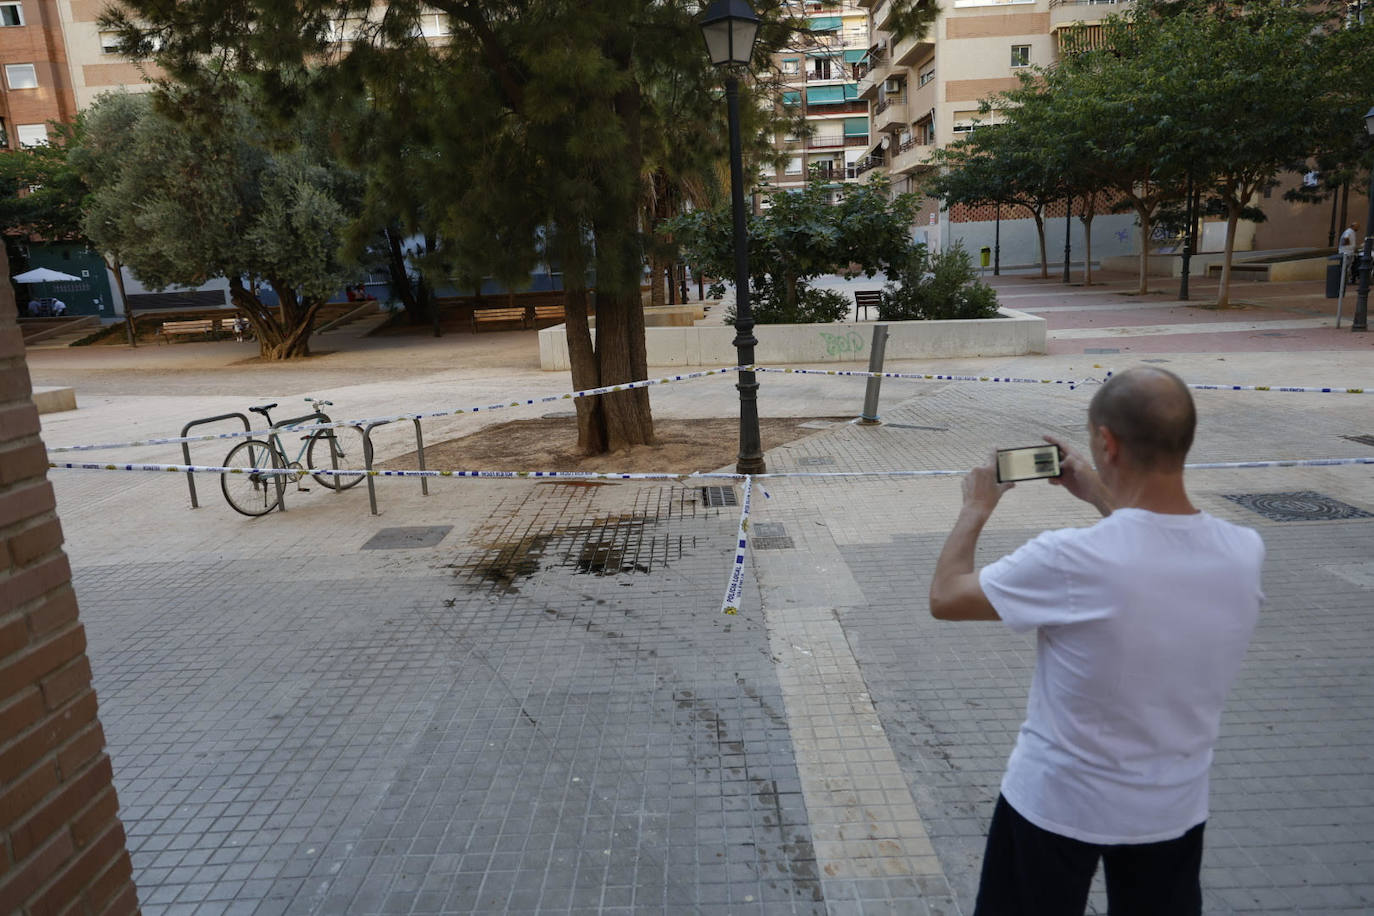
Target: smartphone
x=1030, y=463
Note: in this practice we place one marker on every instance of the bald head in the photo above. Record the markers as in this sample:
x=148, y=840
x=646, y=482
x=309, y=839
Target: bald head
x=1151, y=413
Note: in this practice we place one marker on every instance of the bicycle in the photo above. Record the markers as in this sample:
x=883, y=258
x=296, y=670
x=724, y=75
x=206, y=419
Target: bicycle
x=251, y=492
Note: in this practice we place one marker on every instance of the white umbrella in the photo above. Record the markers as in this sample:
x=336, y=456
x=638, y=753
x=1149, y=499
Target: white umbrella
x=42, y=275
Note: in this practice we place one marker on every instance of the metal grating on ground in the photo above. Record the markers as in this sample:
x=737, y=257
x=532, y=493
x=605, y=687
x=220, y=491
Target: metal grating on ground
x=716, y=497
x=407, y=538
x=561, y=527
x=1299, y=506
x=770, y=536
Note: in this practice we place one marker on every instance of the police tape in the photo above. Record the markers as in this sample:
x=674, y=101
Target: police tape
x=369, y=421
x=663, y=475
x=929, y=376
x=734, y=589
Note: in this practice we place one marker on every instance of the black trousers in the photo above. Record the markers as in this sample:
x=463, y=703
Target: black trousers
x=1028, y=871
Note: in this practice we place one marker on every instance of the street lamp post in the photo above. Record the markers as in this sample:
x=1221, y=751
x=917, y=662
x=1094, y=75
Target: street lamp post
x=730, y=27
x=1361, y=320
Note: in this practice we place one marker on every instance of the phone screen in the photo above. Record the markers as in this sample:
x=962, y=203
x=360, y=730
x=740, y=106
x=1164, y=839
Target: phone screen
x=1030, y=463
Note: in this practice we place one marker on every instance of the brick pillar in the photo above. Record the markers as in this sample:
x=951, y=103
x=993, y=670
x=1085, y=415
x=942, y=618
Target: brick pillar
x=62, y=846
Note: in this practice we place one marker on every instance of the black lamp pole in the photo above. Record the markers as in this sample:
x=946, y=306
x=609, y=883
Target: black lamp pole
x=1361, y=319
x=750, y=444
x=1068, y=230
x=730, y=27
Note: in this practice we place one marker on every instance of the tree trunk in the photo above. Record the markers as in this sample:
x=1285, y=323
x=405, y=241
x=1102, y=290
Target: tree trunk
x=283, y=336
x=1086, y=218
x=1224, y=290
x=400, y=278
x=591, y=421
x=1040, y=233
x=789, y=293
x=130, y=328
x=1144, y=217
x=657, y=266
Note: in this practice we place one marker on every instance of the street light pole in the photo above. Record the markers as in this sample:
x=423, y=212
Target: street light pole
x=1361, y=320
x=750, y=443
x=729, y=28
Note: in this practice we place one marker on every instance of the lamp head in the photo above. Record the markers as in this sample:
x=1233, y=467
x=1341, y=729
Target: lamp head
x=730, y=27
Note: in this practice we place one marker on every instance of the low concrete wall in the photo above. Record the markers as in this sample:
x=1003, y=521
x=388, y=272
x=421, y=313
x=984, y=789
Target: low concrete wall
x=672, y=316
x=1013, y=334
x=53, y=400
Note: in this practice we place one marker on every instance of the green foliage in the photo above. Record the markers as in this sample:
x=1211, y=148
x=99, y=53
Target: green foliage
x=936, y=286
x=40, y=193
x=182, y=201
x=799, y=236
x=814, y=306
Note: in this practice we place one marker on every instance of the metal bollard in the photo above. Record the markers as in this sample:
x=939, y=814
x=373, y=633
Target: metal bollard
x=875, y=364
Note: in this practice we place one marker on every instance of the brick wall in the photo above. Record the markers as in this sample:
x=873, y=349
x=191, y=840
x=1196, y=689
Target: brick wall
x=62, y=847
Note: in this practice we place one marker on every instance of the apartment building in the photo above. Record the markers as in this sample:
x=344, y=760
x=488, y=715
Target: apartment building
x=820, y=77
x=36, y=87
x=95, y=61
x=924, y=93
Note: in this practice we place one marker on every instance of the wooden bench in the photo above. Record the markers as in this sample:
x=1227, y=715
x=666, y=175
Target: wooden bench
x=550, y=313
x=200, y=326
x=865, y=299
x=499, y=316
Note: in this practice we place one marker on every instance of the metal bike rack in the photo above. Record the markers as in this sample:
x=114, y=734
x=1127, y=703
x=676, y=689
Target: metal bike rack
x=371, y=454
x=186, y=446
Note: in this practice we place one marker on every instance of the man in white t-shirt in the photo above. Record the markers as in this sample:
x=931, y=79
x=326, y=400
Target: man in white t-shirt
x=1348, y=251
x=1141, y=623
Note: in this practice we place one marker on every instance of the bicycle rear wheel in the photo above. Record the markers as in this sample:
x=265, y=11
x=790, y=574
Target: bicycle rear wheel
x=353, y=453
x=245, y=488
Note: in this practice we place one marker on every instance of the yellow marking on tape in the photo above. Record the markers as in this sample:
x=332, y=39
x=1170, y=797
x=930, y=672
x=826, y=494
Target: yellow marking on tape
x=1261, y=387
x=1354, y=391
x=731, y=610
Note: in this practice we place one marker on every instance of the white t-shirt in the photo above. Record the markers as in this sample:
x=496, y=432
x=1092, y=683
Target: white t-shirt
x=1347, y=242
x=1143, y=620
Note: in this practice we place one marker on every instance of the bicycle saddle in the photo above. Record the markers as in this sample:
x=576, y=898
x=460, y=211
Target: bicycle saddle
x=263, y=409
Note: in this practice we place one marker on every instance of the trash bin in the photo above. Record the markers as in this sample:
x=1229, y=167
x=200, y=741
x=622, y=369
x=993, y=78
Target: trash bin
x=1333, y=276
x=985, y=255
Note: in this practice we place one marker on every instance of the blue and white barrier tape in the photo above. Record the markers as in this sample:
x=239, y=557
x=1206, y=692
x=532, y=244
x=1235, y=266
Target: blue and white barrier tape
x=734, y=589
x=665, y=475
x=929, y=377
x=368, y=421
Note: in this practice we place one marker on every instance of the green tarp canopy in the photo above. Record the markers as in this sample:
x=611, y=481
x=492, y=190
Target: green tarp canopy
x=856, y=127
x=851, y=91
x=791, y=98
x=826, y=24
x=853, y=57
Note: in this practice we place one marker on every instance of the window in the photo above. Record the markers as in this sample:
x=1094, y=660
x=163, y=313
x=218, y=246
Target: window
x=4, y=135
x=21, y=76
x=1020, y=55
x=791, y=65
x=794, y=165
x=109, y=42
x=31, y=134
x=926, y=76
x=11, y=14
x=821, y=69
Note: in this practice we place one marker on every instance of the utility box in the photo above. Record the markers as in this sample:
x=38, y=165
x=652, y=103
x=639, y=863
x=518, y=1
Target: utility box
x=1334, y=267
x=985, y=255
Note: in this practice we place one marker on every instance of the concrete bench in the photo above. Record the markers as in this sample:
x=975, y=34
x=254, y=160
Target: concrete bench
x=195, y=328
x=865, y=299
x=499, y=316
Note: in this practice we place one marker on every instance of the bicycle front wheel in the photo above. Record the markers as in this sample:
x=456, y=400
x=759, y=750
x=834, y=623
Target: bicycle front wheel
x=351, y=451
x=246, y=488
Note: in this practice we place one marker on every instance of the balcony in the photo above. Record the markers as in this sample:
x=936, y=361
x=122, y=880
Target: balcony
x=911, y=51
x=826, y=141
x=910, y=156
x=882, y=15
x=1067, y=12
x=922, y=100
x=879, y=65
x=890, y=114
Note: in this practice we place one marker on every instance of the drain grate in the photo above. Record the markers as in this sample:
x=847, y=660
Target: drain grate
x=717, y=497
x=407, y=538
x=815, y=461
x=1363, y=440
x=1299, y=506
x=770, y=536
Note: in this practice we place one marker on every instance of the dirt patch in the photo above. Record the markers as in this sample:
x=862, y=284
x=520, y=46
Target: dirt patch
x=550, y=444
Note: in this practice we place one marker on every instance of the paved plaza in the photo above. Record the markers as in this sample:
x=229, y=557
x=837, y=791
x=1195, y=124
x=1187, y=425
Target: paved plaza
x=518, y=696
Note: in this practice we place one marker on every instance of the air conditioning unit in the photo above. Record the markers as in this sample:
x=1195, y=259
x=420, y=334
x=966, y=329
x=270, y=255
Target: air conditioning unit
x=892, y=87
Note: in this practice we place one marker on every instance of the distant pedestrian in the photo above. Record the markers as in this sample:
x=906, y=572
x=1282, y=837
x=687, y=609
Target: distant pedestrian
x=59, y=308
x=240, y=325
x=1346, y=249
x=1141, y=624
x=35, y=308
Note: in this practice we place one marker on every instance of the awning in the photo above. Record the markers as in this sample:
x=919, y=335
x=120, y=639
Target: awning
x=826, y=95
x=853, y=154
x=791, y=98
x=856, y=127
x=826, y=24
x=851, y=91
x=853, y=57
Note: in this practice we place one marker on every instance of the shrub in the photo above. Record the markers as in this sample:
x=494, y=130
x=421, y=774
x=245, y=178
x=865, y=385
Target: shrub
x=936, y=286
x=814, y=306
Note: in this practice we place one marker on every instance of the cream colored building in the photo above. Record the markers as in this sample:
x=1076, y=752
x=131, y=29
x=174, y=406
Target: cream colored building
x=96, y=66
